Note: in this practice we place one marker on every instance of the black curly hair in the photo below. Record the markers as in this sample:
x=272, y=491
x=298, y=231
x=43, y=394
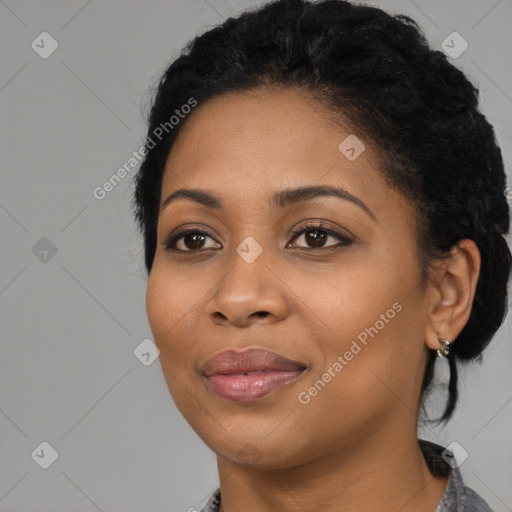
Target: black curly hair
x=377, y=72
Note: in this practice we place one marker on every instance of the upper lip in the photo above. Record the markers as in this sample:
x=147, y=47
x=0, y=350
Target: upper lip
x=236, y=361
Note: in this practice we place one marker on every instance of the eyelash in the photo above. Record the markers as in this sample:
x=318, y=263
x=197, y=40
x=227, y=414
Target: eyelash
x=344, y=241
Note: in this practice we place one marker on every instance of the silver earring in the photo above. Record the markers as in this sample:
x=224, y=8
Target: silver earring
x=445, y=347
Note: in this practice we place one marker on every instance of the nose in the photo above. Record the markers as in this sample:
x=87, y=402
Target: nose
x=248, y=293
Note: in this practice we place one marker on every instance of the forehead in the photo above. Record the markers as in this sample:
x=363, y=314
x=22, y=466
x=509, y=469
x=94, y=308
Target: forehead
x=265, y=138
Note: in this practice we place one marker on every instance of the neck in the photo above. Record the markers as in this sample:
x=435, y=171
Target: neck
x=385, y=475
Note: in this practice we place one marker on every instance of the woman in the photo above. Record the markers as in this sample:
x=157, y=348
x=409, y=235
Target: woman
x=323, y=213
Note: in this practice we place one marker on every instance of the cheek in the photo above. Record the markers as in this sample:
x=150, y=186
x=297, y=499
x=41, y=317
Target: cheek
x=159, y=306
x=167, y=304
x=371, y=315
x=359, y=386
x=171, y=298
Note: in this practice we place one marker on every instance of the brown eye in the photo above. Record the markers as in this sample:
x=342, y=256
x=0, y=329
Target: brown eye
x=191, y=240
x=316, y=237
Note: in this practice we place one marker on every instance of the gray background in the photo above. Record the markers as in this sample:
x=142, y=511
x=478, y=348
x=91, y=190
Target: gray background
x=71, y=320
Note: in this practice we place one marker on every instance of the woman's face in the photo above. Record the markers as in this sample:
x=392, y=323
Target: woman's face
x=351, y=310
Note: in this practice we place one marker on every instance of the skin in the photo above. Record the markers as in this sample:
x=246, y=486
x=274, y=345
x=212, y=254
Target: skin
x=354, y=445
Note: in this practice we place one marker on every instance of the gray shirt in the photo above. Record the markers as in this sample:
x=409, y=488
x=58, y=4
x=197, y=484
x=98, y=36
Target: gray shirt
x=456, y=498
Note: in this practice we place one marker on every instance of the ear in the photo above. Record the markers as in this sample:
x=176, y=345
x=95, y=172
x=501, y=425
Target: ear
x=451, y=292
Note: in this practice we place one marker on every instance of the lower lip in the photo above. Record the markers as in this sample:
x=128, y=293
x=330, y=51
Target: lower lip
x=247, y=388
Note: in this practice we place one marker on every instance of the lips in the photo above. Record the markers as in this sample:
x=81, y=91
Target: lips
x=244, y=376
x=235, y=362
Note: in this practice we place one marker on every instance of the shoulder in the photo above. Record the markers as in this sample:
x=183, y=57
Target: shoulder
x=457, y=497
x=213, y=503
x=473, y=501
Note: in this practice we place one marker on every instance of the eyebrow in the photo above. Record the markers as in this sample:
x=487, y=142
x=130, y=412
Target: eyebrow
x=280, y=199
